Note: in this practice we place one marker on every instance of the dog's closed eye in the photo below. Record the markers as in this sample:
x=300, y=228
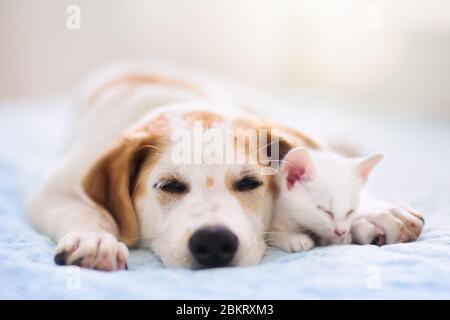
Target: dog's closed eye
x=247, y=184
x=172, y=186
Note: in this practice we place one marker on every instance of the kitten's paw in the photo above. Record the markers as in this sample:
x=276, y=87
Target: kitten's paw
x=294, y=242
x=392, y=224
x=100, y=251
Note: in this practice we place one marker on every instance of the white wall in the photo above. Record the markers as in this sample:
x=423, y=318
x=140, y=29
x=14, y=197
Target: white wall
x=395, y=51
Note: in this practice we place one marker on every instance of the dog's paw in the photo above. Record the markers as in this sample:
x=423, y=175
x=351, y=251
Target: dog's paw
x=294, y=242
x=391, y=224
x=100, y=251
x=365, y=232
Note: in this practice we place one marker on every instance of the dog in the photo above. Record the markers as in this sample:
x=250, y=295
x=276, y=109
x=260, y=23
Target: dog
x=139, y=171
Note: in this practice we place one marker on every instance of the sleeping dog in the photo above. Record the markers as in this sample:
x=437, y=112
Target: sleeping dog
x=171, y=164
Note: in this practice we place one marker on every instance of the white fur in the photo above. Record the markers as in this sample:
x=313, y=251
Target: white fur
x=62, y=211
x=166, y=231
x=323, y=200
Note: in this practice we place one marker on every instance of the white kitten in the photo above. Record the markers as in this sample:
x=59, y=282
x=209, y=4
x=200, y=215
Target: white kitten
x=318, y=198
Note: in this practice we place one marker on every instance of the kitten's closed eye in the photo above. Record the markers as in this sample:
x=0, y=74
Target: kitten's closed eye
x=350, y=212
x=328, y=212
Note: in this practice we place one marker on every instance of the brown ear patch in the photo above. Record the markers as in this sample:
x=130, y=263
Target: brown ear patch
x=284, y=138
x=113, y=179
x=281, y=140
x=295, y=137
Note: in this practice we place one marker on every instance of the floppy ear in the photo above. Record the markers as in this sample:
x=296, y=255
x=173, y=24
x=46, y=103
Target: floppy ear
x=297, y=166
x=365, y=166
x=282, y=140
x=272, y=153
x=111, y=181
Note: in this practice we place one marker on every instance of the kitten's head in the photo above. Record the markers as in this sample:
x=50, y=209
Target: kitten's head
x=321, y=189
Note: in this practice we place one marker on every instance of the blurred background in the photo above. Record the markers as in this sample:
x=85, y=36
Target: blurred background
x=391, y=56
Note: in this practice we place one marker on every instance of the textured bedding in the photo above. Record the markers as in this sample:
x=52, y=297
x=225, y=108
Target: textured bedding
x=415, y=170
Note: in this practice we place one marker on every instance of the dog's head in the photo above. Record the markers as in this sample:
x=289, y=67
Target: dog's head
x=171, y=196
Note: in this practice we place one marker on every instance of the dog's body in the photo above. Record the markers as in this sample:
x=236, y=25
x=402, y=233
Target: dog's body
x=118, y=183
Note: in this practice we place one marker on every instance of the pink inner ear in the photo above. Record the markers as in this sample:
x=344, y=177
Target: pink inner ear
x=294, y=174
x=364, y=172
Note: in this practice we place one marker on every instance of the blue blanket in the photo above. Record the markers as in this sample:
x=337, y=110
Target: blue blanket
x=415, y=170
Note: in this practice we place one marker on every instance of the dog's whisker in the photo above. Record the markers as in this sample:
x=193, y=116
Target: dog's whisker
x=153, y=147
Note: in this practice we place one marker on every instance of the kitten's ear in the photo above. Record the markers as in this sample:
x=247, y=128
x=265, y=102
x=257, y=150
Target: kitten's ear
x=297, y=166
x=365, y=165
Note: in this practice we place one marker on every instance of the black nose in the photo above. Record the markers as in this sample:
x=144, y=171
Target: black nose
x=213, y=246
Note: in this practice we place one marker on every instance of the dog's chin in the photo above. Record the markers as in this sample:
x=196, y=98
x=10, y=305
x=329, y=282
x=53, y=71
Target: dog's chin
x=234, y=263
x=170, y=262
x=250, y=256
x=188, y=262
x=192, y=264
x=198, y=267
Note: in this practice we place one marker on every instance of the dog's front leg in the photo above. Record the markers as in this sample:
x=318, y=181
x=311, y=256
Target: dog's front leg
x=383, y=223
x=85, y=235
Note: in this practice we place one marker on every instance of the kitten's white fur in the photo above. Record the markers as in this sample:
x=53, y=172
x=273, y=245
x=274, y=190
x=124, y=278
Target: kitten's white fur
x=319, y=198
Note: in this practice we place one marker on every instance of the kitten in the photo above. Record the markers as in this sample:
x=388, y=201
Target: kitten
x=318, y=198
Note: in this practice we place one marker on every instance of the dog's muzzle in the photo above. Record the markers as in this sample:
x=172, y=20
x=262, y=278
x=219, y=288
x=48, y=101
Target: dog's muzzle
x=213, y=246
